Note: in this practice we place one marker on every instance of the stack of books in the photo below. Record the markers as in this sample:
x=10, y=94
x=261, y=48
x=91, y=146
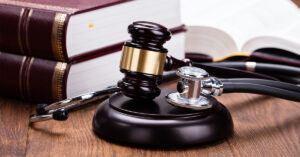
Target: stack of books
x=52, y=50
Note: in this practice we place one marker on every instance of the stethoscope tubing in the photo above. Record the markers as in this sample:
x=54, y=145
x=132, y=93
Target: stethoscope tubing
x=285, y=78
x=260, y=67
x=271, y=83
x=242, y=87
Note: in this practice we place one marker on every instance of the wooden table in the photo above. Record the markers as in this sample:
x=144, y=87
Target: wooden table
x=263, y=126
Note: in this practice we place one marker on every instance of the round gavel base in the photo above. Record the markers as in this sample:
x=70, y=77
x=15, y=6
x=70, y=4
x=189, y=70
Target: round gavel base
x=158, y=124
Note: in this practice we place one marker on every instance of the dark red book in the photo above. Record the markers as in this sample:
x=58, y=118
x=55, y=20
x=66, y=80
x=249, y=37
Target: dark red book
x=46, y=81
x=66, y=30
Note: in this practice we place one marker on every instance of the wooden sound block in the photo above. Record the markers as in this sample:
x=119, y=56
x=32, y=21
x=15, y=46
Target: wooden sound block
x=157, y=123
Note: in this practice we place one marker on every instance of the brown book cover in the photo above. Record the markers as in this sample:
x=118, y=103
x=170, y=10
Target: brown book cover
x=32, y=78
x=39, y=28
x=30, y=27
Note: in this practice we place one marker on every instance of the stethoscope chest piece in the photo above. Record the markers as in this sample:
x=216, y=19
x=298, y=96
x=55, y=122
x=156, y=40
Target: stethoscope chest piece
x=193, y=88
x=177, y=99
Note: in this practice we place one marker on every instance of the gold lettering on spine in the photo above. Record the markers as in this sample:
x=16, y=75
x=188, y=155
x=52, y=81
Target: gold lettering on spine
x=19, y=30
x=26, y=31
x=144, y=61
x=57, y=81
x=21, y=77
x=28, y=77
x=57, y=36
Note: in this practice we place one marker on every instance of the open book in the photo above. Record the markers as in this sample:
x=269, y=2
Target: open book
x=219, y=28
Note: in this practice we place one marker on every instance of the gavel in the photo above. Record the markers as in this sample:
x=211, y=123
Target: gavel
x=144, y=59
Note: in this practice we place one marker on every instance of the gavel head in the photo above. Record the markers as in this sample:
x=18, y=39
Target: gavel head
x=143, y=60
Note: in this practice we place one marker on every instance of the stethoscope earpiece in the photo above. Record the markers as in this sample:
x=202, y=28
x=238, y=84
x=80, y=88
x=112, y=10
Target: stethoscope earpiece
x=59, y=115
x=40, y=109
x=59, y=110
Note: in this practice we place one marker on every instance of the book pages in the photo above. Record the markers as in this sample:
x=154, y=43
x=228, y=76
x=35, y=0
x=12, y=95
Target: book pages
x=242, y=19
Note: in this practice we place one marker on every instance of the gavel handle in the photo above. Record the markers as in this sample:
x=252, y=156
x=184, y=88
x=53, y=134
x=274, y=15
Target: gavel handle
x=172, y=63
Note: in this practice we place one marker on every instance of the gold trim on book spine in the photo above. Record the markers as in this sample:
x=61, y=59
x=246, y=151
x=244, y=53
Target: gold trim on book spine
x=42, y=6
x=57, y=81
x=21, y=77
x=26, y=32
x=57, y=36
x=19, y=31
x=28, y=78
x=144, y=61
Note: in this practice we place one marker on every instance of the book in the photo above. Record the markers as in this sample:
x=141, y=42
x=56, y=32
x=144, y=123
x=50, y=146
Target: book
x=46, y=81
x=71, y=29
x=219, y=28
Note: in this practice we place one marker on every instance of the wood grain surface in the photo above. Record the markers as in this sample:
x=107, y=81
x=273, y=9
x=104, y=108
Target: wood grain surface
x=264, y=126
x=14, y=120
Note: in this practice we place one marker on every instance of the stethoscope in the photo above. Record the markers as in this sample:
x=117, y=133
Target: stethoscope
x=143, y=61
x=194, y=85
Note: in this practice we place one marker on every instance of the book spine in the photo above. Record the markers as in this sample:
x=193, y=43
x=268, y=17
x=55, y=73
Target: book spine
x=32, y=79
x=33, y=32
